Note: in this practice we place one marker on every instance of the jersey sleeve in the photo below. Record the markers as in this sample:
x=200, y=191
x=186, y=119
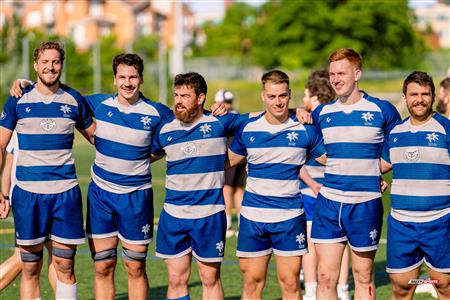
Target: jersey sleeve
x=164, y=112
x=385, y=150
x=390, y=114
x=316, y=120
x=157, y=148
x=8, y=116
x=233, y=122
x=85, y=114
x=12, y=143
x=238, y=145
x=315, y=145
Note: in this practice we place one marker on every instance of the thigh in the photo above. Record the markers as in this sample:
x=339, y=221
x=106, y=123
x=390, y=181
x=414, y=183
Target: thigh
x=208, y=237
x=403, y=248
x=288, y=238
x=67, y=218
x=101, y=221
x=32, y=216
x=172, y=238
x=329, y=257
x=288, y=267
x=253, y=239
x=135, y=217
x=326, y=227
x=254, y=268
x=362, y=223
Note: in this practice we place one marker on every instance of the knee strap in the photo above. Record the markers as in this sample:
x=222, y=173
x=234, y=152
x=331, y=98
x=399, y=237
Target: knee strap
x=31, y=256
x=64, y=253
x=133, y=255
x=104, y=255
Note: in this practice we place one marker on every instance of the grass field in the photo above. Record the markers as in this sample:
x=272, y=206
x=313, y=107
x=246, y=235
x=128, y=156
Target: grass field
x=248, y=100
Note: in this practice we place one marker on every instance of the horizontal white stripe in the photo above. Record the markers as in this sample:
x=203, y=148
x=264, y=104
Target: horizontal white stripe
x=308, y=192
x=133, y=242
x=352, y=134
x=47, y=187
x=45, y=158
x=123, y=166
x=33, y=242
x=406, y=187
x=432, y=125
x=418, y=216
x=316, y=171
x=269, y=215
x=329, y=241
x=353, y=167
x=178, y=125
x=167, y=256
x=45, y=126
x=361, y=105
x=139, y=107
x=116, y=188
x=350, y=197
x=261, y=125
x=277, y=155
x=363, y=249
x=440, y=270
x=196, y=148
x=67, y=241
x=207, y=259
x=59, y=97
x=192, y=211
x=124, y=135
x=404, y=270
x=254, y=254
x=273, y=187
x=421, y=155
x=195, y=182
x=102, y=236
x=290, y=253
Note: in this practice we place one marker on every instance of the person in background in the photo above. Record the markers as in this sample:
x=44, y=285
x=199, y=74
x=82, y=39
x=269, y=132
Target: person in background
x=233, y=190
x=443, y=96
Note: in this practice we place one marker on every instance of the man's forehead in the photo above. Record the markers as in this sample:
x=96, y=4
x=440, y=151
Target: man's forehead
x=184, y=88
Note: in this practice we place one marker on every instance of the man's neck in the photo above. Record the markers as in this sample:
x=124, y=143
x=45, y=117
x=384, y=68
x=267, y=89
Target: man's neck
x=47, y=90
x=271, y=119
x=352, y=98
x=417, y=122
x=124, y=101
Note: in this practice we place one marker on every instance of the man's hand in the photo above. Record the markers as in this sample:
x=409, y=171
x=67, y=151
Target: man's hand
x=303, y=116
x=4, y=207
x=17, y=86
x=219, y=109
x=383, y=185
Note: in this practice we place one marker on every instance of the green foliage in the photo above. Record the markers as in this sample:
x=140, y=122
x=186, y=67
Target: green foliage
x=147, y=47
x=302, y=33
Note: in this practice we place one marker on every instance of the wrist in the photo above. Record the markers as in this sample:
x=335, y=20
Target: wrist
x=6, y=197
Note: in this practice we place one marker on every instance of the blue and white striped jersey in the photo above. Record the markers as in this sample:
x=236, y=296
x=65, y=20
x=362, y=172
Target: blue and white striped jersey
x=45, y=132
x=420, y=158
x=195, y=155
x=123, y=139
x=353, y=137
x=317, y=172
x=275, y=154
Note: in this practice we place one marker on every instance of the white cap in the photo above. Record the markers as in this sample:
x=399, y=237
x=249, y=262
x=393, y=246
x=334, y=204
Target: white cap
x=224, y=96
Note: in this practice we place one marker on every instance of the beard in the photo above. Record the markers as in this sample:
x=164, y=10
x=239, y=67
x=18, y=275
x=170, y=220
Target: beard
x=47, y=82
x=441, y=107
x=189, y=114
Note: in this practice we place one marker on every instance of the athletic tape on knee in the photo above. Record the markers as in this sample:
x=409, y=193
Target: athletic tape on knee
x=31, y=256
x=187, y=297
x=64, y=253
x=133, y=255
x=66, y=291
x=104, y=255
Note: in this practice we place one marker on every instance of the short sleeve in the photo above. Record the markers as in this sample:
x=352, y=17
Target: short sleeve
x=315, y=142
x=157, y=148
x=390, y=115
x=85, y=114
x=8, y=116
x=238, y=145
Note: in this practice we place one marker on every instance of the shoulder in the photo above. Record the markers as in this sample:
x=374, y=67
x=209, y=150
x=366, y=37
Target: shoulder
x=161, y=109
x=74, y=93
x=384, y=105
x=443, y=121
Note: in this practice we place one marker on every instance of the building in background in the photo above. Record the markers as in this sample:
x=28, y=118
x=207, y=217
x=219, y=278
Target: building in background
x=435, y=17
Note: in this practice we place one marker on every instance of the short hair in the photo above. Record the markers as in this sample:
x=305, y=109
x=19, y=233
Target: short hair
x=193, y=80
x=275, y=77
x=421, y=78
x=49, y=45
x=349, y=54
x=445, y=84
x=318, y=85
x=129, y=59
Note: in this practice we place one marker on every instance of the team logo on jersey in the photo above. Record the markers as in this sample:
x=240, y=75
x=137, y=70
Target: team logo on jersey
x=300, y=239
x=220, y=246
x=367, y=117
x=146, y=120
x=373, y=235
x=169, y=139
x=432, y=138
x=3, y=115
x=328, y=119
x=146, y=230
x=412, y=154
x=28, y=109
x=47, y=124
x=292, y=137
x=395, y=140
x=66, y=110
x=110, y=114
x=206, y=129
x=252, y=139
x=189, y=149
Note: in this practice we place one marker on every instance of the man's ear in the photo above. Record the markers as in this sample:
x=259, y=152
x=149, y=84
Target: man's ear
x=201, y=99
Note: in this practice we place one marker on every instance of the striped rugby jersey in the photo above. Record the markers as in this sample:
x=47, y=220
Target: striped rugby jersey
x=275, y=155
x=317, y=172
x=420, y=158
x=195, y=155
x=123, y=139
x=353, y=136
x=45, y=132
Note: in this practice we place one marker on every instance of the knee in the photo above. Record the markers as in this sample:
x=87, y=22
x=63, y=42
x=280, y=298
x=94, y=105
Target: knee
x=253, y=284
x=63, y=266
x=135, y=269
x=30, y=270
x=290, y=285
x=443, y=288
x=177, y=281
x=327, y=279
x=400, y=290
x=105, y=268
x=363, y=276
x=209, y=280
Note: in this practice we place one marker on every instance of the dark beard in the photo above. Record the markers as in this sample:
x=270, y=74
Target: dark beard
x=188, y=115
x=50, y=83
x=441, y=107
